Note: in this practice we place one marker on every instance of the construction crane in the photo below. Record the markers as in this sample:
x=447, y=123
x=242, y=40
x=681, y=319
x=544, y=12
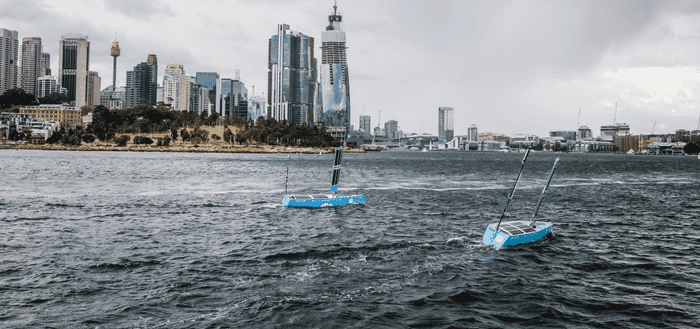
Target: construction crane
x=615, y=117
x=652, y=128
x=578, y=124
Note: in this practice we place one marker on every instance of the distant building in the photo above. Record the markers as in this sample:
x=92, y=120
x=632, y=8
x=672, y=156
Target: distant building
x=473, y=133
x=619, y=129
x=584, y=132
x=142, y=83
x=45, y=64
x=48, y=85
x=32, y=63
x=365, y=124
x=92, y=98
x=68, y=116
x=73, y=66
x=291, y=76
x=334, y=78
x=390, y=127
x=112, y=99
x=446, y=129
x=257, y=107
x=212, y=81
x=9, y=50
x=20, y=122
x=199, y=97
x=523, y=140
x=237, y=100
x=176, y=88
x=566, y=135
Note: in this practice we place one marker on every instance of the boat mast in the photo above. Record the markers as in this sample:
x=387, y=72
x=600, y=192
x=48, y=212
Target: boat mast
x=335, y=178
x=512, y=189
x=286, y=179
x=551, y=173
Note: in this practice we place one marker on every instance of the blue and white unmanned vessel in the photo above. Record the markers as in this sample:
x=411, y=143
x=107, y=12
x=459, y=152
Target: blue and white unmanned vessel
x=323, y=200
x=504, y=234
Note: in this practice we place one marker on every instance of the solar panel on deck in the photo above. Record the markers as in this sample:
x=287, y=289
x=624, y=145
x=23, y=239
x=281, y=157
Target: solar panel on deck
x=515, y=228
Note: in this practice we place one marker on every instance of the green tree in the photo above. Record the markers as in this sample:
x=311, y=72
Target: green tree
x=122, y=140
x=16, y=96
x=55, y=98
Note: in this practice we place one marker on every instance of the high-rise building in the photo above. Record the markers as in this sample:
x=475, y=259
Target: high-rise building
x=199, y=97
x=391, y=127
x=212, y=81
x=176, y=88
x=94, y=84
x=446, y=128
x=45, y=64
x=31, y=64
x=365, y=124
x=142, y=83
x=257, y=107
x=73, y=66
x=9, y=49
x=333, y=75
x=290, y=77
x=472, y=133
x=584, y=132
x=48, y=85
x=618, y=129
x=238, y=99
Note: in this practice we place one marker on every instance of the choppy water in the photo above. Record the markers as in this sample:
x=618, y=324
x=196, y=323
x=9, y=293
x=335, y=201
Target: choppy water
x=158, y=240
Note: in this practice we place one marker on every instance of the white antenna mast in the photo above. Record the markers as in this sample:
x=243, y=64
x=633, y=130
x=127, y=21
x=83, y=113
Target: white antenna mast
x=615, y=117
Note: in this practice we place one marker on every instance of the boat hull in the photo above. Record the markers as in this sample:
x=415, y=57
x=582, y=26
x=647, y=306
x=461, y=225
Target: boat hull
x=319, y=201
x=515, y=232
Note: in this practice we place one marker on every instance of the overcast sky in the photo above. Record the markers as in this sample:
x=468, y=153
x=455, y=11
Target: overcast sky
x=507, y=66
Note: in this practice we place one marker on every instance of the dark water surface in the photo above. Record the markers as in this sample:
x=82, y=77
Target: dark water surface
x=157, y=240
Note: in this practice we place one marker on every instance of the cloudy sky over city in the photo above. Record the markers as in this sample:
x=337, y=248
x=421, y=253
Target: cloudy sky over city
x=506, y=66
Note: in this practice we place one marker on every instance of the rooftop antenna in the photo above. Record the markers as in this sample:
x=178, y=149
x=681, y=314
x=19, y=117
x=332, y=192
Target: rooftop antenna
x=615, y=117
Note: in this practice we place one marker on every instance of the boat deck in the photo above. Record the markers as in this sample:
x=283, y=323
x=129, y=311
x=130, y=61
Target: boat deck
x=515, y=227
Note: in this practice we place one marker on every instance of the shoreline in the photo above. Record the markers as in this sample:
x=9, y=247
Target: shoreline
x=180, y=148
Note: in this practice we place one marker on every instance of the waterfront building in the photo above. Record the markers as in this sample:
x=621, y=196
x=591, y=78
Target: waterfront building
x=212, y=81
x=618, y=129
x=472, y=133
x=584, y=132
x=365, y=124
x=9, y=50
x=73, y=66
x=334, y=77
x=48, y=85
x=142, y=83
x=390, y=127
x=446, y=128
x=92, y=98
x=68, y=116
x=20, y=122
x=176, y=88
x=291, y=76
x=32, y=63
x=523, y=140
x=199, y=97
x=564, y=134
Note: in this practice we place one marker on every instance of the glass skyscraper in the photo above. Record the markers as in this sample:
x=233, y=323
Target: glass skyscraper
x=142, y=83
x=291, y=76
x=73, y=66
x=212, y=81
x=334, y=79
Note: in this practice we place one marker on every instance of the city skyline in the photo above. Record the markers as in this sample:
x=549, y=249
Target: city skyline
x=510, y=67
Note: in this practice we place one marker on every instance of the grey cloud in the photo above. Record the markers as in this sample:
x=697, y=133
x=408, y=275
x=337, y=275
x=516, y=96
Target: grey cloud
x=139, y=8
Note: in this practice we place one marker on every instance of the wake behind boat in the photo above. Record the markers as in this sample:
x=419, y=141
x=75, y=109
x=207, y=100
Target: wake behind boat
x=323, y=200
x=512, y=233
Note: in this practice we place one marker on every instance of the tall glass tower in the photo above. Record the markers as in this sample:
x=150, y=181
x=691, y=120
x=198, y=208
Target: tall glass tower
x=446, y=125
x=335, y=82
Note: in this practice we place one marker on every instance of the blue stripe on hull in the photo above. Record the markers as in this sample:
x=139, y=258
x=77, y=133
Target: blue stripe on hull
x=503, y=239
x=323, y=202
